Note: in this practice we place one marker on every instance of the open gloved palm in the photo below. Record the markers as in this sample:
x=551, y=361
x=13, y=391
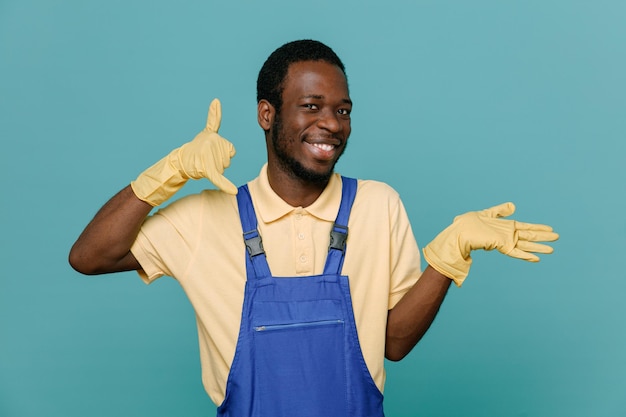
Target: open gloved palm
x=206, y=156
x=450, y=252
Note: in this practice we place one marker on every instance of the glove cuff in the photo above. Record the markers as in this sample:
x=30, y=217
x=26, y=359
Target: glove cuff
x=159, y=182
x=447, y=264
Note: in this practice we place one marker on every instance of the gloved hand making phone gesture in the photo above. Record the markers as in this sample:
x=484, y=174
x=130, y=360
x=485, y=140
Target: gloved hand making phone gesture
x=206, y=156
x=449, y=253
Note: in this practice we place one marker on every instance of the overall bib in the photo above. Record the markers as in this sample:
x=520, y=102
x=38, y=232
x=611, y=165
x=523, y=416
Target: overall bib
x=298, y=353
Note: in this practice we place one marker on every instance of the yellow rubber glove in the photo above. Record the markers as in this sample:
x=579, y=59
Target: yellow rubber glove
x=206, y=156
x=449, y=252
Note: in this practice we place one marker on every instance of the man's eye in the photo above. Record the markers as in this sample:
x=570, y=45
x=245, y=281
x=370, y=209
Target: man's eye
x=311, y=106
x=344, y=112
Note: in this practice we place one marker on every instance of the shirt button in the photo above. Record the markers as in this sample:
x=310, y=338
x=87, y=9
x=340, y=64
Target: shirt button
x=301, y=236
x=302, y=258
x=298, y=216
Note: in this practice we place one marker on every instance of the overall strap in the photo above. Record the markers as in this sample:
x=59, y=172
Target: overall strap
x=339, y=232
x=255, y=259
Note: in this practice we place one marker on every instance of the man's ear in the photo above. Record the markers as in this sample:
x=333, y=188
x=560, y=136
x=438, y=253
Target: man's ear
x=265, y=114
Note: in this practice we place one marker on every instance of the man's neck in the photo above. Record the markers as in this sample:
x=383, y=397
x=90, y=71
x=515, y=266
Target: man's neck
x=294, y=191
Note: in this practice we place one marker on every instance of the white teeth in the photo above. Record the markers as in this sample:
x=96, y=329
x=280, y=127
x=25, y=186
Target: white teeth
x=324, y=146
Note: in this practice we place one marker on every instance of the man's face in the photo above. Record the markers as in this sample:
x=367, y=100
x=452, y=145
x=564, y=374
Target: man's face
x=311, y=131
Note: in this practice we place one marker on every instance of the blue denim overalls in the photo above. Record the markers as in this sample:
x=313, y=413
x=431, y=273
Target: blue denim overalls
x=298, y=353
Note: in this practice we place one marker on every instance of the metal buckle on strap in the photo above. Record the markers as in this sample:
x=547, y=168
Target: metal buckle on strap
x=254, y=244
x=338, y=237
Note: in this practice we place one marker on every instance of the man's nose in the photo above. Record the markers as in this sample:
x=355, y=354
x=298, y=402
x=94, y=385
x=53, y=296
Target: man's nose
x=329, y=120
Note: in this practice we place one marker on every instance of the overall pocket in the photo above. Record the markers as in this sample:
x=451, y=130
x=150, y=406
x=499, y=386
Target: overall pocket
x=300, y=368
x=294, y=326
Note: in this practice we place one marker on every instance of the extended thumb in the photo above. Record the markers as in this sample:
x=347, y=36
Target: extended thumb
x=215, y=116
x=502, y=210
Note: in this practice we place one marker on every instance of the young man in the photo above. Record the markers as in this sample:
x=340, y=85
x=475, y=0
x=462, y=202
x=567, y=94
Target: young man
x=312, y=344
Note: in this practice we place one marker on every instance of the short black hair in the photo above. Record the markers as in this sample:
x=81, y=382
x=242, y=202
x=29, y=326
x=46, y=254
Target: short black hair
x=270, y=82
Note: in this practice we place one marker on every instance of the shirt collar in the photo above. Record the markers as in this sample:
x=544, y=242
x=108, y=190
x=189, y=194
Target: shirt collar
x=270, y=207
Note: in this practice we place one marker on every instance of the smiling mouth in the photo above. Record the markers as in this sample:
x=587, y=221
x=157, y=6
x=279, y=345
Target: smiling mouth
x=323, y=149
x=324, y=146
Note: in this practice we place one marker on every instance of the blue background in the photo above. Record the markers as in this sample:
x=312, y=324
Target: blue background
x=458, y=105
